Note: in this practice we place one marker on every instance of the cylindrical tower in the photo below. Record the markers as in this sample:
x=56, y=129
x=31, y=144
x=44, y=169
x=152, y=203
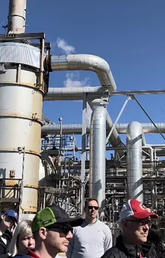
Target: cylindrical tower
x=21, y=95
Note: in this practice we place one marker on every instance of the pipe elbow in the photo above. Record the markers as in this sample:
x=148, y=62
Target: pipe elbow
x=86, y=62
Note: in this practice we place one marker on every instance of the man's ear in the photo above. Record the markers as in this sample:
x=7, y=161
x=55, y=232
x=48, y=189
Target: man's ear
x=43, y=233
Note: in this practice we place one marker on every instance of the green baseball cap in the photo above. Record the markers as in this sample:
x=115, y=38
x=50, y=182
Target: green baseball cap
x=53, y=215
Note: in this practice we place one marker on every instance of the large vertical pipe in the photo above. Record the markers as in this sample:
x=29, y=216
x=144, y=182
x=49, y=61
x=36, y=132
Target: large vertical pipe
x=97, y=151
x=17, y=16
x=134, y=161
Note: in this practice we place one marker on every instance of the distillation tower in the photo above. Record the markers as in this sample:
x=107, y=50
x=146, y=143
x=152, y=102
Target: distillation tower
x=22, y=85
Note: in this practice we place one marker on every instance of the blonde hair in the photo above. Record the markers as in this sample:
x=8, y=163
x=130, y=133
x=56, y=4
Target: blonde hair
x=23, y=228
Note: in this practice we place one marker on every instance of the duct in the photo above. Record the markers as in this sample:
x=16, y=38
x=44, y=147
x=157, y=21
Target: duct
x=97, y=154
x=73, y=93
x=17, y=16
x=147, y=128
x=134, y=161
x=51, y=129
x=86, y=62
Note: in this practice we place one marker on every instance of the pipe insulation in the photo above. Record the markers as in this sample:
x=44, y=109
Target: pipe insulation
x=147, y=128
x=97, y=154
x=73, y=93
x=134, y=161
x=86, y=62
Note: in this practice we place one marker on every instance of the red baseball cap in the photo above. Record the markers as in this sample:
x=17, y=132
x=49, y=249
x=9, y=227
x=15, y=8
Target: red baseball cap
x=136, y=209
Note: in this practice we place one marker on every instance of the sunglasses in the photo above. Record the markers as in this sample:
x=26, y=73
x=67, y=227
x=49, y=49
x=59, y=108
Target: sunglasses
x=93, y=207
x=63, y=229
x=141, y=222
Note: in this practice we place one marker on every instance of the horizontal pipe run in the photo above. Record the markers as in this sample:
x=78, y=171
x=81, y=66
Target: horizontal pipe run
x=147, y=128
x=85, y=62
x=120, y=129
x=72, y=93
x=50, y=129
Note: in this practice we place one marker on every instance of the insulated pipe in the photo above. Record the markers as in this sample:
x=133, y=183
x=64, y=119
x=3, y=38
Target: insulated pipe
x=147, y=128
x=17, y=16
x=75, y=93
x=86, y=62
x=97, y=154
x=50, y=129
x=134, y=161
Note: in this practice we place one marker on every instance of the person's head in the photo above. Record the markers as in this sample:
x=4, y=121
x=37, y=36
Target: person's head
x=135, y=221
x=22, y=239
x=91, y=209
x=8, y=220
x=52, y=230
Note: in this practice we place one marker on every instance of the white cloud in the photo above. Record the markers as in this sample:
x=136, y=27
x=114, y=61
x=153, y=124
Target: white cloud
x=61, y=43
x=72, y=80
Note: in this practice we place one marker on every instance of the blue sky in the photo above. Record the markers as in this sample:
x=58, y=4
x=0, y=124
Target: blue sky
x=128, y=34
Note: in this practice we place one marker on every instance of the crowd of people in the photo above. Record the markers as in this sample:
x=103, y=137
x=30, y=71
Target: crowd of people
x=52, y=233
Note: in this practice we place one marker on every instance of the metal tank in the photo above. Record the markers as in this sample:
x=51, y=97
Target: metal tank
x=21, y=94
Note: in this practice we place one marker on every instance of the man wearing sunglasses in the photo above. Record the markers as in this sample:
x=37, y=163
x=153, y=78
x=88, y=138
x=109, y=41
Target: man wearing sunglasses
x=134, y=221
x=52, y=229
x=93, y=237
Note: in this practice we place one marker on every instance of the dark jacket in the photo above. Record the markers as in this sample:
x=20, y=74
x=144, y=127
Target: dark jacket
x=122, y=250
x=3, y=247
x=30, y=254
x=22, y=256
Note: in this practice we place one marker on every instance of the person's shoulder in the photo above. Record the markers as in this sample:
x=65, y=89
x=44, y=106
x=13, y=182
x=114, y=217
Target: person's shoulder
x=7, y=235
x=113, y=252
x=103, y=224
x=83, y=225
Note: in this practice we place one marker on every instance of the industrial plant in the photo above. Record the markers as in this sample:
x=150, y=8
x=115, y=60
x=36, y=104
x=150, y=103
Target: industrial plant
x=41, y=162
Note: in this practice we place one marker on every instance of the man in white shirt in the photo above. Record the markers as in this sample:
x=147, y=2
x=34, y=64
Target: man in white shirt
x=93, y=237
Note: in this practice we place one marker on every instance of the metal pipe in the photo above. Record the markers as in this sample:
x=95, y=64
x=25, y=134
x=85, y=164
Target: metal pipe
x=75, y=93
x=97, y=153
x=17, y=16
x=67, y=129
x=147, y=128
x=134, y=161
x=86, y=62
